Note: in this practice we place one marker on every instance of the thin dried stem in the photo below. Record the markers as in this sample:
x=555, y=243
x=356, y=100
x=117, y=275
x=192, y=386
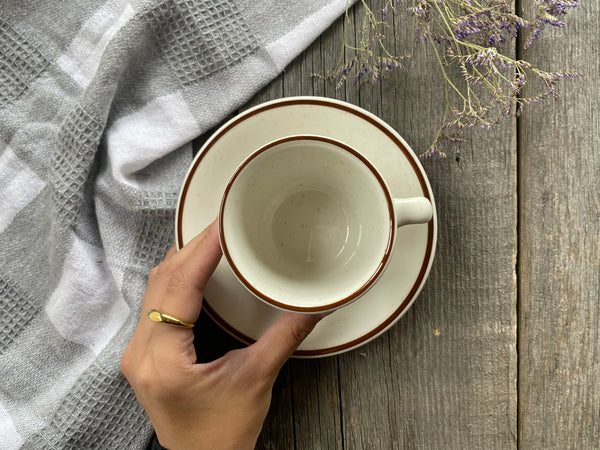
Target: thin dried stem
x=482, y=83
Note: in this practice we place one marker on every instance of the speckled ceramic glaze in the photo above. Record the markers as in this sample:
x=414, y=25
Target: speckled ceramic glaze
x=226, y=299
x=308, y=224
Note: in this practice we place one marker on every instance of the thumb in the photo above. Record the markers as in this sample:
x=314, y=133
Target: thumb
x=282, y=339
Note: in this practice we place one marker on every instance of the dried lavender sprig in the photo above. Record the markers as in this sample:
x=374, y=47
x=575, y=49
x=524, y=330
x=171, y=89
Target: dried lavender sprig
x=471, y=33
x=372, y=61
x=548, y=13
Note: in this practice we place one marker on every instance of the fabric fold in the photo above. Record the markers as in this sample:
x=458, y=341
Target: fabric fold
x=99, y=101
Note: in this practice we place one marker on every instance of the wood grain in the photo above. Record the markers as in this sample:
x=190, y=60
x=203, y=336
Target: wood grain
x=445, y=375
x=559, y=338
x=366, y=378
x=501, y=349
x=278, y=429
x=315, y=383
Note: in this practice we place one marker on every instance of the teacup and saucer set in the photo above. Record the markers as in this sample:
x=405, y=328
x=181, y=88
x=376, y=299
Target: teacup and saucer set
x=322, y=207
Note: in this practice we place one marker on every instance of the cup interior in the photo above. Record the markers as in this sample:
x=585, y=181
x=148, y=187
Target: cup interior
x=306, y=223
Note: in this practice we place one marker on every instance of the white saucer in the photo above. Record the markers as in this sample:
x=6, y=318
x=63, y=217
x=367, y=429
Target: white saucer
x=227, y=301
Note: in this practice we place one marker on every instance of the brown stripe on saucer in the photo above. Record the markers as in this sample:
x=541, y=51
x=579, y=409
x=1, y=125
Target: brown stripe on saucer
x=317, y=101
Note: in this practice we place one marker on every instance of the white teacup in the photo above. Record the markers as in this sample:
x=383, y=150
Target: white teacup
x=307, y=223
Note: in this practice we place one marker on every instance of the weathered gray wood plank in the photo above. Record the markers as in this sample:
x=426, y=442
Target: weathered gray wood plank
x=366, y=379
x=278, y=429
x=445, y=375
x=315, y=382
x=559, y=338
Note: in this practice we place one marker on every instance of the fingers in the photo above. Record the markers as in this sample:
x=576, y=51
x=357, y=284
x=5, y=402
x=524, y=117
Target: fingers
x=206, y=244
x=178, y=283
x=170, y=253
x=282, y=339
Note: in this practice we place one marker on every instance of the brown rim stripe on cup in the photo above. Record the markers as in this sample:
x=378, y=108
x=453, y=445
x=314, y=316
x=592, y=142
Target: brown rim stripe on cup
x=400, y=145
x=374, y=276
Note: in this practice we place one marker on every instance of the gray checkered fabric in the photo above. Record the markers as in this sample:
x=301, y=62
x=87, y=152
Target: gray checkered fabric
x=17, y=311
x=99, y=101
x=201, y=39
x=71, y=161
x=22, y=61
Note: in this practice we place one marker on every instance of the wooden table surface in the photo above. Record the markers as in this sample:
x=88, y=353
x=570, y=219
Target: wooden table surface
x=502, y=347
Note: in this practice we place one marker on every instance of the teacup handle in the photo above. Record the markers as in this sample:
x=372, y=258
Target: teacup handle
x=412, y=210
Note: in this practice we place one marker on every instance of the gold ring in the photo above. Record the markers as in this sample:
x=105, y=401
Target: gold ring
x=157, y=316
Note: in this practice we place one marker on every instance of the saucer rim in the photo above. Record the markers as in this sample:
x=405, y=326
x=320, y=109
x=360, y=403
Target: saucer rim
x=401, y=145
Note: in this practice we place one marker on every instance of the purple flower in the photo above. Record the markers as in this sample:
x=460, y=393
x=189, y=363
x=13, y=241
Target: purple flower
x=471, y=35
x=548, y=13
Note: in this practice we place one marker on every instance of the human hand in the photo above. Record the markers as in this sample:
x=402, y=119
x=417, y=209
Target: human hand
x=217, y=405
